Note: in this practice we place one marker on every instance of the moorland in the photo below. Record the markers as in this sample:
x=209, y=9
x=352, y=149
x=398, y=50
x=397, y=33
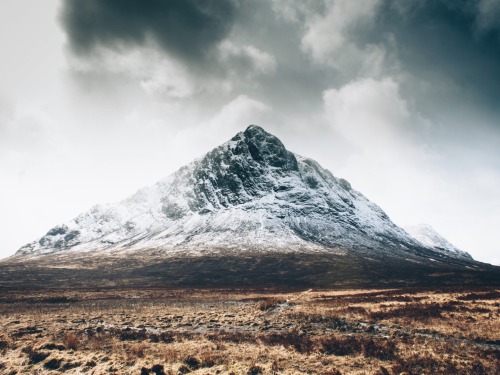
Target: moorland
x=428, y=330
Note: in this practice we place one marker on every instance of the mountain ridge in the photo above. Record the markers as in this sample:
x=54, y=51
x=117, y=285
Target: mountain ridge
x=249, y=192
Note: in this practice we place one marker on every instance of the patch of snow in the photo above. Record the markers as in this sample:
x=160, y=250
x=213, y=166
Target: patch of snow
x=428, y=237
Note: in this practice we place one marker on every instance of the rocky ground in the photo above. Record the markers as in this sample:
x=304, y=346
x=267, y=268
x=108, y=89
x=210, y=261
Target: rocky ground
x=251, y=331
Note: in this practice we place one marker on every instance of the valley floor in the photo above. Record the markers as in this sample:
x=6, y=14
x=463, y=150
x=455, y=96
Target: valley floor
x=251, y=331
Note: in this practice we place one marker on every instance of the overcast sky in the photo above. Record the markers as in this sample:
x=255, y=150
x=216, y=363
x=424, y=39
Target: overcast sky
x=99, y=98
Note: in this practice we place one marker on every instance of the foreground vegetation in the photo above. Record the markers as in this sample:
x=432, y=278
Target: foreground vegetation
x=251, y=331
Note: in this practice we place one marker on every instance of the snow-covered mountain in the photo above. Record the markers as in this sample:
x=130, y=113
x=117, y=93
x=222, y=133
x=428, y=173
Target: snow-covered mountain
x=427, y=236
x=249, y=194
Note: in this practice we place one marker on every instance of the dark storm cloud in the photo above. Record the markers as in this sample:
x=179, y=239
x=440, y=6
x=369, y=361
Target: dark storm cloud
x=443, y=43
x=451, y=61
x=448, y=53
x=187, y=29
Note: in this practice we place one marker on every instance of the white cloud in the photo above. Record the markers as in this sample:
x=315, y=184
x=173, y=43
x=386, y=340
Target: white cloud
x=369, y=113
x=232, y=118
x=154, y=72
x=246, y=60
x=239, y=111
x=328, y=37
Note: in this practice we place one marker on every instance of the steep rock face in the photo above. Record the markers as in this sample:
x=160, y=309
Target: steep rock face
x=250, y=193
x=428, y=237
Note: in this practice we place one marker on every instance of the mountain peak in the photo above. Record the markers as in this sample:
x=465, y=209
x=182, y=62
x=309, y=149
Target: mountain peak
x=264, y=148
x=255, y=129
x=258, y=135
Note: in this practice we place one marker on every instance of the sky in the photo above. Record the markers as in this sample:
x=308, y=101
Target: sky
x=99, y=98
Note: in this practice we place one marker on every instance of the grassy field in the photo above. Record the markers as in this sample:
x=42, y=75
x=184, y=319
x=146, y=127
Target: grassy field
x=251, y=331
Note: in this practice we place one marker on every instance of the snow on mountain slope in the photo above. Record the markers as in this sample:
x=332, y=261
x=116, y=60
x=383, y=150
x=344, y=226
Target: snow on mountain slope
x=427, y=236
x=249, y=193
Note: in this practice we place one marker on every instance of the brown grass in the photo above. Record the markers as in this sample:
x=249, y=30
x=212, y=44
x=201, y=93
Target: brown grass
x=70, y=341
x=269, y=303
x=301, y=342
x=251, y=332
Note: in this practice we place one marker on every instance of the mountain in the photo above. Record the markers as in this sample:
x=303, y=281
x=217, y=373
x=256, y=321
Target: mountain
x=248, y=212
x=249, y=193
x=427, y=236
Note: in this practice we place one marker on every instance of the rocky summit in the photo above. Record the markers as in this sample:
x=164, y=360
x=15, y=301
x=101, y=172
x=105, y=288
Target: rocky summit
x=249, y=204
